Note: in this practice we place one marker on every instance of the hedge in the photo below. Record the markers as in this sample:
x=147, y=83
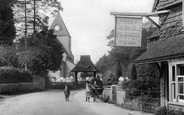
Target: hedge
x=14, y=75
x=17, y=88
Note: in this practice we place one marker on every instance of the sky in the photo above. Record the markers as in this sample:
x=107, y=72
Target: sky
x=89, y=23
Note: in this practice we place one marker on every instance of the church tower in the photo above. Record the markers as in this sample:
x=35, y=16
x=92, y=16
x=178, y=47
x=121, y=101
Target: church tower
x=64, y=37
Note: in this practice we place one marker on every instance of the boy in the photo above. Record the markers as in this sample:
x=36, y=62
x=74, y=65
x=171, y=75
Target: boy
x=67, y=93
x=88, y=94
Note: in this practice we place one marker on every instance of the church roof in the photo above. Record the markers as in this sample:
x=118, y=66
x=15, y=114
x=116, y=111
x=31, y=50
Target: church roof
x=58, y=21
x=85, y=65
x=163, y=50
x=62, y=31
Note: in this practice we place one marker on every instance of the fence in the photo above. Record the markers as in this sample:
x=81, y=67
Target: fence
x=142, y=100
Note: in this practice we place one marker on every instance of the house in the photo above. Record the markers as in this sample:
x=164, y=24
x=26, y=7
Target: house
x=166, y=50
x=65, y=39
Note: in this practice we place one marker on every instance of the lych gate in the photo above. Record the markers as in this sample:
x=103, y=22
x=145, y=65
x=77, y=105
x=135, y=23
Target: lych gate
x=84, y=65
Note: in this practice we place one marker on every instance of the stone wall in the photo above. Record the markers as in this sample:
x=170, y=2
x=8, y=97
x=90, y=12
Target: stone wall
x=116, y=92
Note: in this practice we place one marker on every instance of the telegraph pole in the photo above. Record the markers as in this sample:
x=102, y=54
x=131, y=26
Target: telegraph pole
x=25, y=32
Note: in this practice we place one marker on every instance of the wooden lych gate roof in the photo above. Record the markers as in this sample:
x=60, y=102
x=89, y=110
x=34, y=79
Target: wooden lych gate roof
x=85, y=65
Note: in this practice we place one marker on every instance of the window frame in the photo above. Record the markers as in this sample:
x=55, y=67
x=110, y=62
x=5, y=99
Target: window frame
x=174, y=94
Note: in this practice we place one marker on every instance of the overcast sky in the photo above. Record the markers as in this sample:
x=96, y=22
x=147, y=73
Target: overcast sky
x=89, y=22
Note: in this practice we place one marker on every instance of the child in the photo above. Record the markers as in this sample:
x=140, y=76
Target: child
x=88, y=94
x=67, y=93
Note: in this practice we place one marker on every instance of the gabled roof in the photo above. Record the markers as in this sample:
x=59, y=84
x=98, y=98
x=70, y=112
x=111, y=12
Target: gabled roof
x=163, y=50
x=155, y=33
x=85, y=65
x=154, y=36
x=58, y=21
x=162, y=4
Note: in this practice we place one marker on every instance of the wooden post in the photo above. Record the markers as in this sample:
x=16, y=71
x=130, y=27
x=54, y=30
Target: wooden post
x=76, y=80
x=183, y=13
x=94, y=74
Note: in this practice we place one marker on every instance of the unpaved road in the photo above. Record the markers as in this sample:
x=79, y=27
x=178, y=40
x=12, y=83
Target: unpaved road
x=43, y=103
x=53, y=103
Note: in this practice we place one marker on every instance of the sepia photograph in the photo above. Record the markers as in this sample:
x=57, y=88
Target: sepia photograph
x=91, y=57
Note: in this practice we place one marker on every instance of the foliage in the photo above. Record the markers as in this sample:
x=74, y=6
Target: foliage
x=134, y=104
x=124, y=84
x=148, y=80
x=125, y=55
x=166, y=111
x=44, y=52
x=7, y=28
x=118, y=70
x=110, y=79
x=43, y=9
x=149, y=75
x=17, y=88
x=8, y=55
x=134, y=73
x=14, y=75
x=104, y=63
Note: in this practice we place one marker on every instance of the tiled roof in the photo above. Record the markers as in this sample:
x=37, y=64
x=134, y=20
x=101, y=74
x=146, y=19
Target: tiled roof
x=162, y=50
x=162, y=4
x=85, y=65
x=155, y=33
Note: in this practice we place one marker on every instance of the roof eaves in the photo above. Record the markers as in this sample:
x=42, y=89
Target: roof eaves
x=168, y=5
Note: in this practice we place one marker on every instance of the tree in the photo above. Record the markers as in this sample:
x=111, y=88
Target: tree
x=44, y=52
x=134, y=73
x=44, y=9
x=125, y=55
x=118, y=70
x=7, y=28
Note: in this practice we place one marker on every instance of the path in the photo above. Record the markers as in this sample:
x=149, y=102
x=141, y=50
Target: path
x=53, y=103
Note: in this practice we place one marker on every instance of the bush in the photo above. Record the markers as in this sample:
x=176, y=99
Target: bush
x=134, y=104
x=124, y=84
x=17, y=88
x=14, y=75
x=166, y=111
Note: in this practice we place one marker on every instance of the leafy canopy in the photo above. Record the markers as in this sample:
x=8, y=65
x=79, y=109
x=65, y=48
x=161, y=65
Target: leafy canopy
x=7, y=28
x=125, y=55
x=43, y=10
x=44, y=52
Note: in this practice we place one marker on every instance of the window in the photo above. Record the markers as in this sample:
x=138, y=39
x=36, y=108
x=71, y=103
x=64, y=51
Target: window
x=176, y=82
x=173, y=82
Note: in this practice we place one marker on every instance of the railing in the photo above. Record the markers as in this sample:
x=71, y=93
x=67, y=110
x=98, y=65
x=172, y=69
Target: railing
x=145, y=100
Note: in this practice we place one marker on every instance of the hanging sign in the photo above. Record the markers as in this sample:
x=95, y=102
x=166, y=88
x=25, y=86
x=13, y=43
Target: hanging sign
x=128, y=31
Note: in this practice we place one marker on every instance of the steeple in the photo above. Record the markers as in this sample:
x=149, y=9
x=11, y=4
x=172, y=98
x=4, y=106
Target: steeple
x=59, y=26
x=62, y=34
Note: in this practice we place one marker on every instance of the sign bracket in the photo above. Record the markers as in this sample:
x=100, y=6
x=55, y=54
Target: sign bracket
x=147, y=15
